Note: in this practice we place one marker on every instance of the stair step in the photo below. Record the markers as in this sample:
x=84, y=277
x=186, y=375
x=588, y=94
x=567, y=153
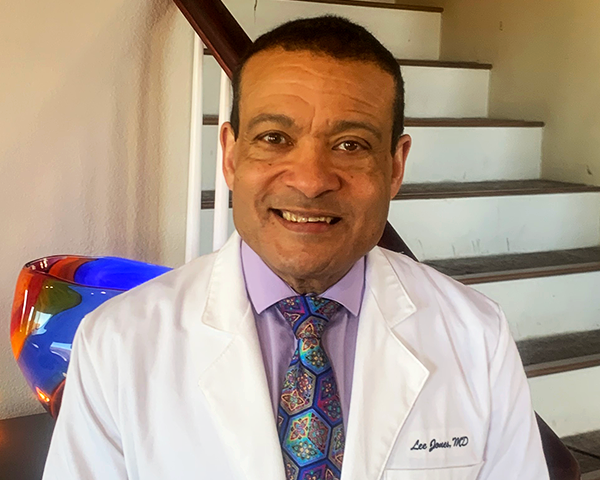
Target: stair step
x=586, y=449
x=560, y=353
x=441, y=122
x=488, y=189
x=497, y=268
x=568, y=401
x=393, y=6
x=497, y=226
x=452, y=228
x=471, y=122
x=408, y=31
x=551, y=305
x=434, y=89
x=440, y=154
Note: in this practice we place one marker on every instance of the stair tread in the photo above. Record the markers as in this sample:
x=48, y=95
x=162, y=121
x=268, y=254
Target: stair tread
x=588, y=442
x=441, y=122
x=407, y=62
x=484, y=269
x=393, y=6
x=411, y=191
x=471, y=122
x=560, y=353
x=554, y=348
x=587, y=464
x=586, y=449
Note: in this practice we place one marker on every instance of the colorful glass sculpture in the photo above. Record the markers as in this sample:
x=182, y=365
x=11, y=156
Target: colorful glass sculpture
x=53, y=295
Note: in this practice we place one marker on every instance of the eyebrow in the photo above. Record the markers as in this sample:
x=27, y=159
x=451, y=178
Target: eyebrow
x=272, y=117
x=338, y=127
x=344, y=125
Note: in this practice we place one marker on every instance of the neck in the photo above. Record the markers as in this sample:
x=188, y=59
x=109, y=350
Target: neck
x=317, y=286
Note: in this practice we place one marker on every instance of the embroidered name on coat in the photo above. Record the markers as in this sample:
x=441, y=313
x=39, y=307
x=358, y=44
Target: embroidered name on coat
x=456, y=442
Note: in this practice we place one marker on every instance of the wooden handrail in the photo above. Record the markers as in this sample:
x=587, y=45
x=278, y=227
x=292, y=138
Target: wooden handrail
x=227, y=40
x=218, y=29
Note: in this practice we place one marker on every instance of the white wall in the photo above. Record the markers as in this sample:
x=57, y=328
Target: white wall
x=94, y=112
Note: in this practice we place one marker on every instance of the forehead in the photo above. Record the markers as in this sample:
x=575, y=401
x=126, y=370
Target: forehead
x=287, y=80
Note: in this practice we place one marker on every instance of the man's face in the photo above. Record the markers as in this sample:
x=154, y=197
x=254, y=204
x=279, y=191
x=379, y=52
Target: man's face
x=311, y=171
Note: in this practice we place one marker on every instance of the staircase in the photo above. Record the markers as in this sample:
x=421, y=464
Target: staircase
x=474, y=207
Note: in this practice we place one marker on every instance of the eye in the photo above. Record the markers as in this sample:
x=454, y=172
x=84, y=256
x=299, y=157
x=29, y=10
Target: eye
x=349, y=146
x=274, y=138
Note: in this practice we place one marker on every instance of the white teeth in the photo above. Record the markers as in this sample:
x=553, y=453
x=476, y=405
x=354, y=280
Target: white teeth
x=291, y=217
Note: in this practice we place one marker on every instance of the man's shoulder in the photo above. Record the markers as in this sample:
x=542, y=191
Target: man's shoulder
x=152, y=303
x=431, y=290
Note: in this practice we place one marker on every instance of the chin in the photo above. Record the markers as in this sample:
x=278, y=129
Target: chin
x=304, y=265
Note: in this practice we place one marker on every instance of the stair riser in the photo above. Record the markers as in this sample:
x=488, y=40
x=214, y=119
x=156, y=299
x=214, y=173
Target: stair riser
x=462, y=154
x=568, y=401
x=407, y=34
x=472, y=227
x=430, y=92
x=540, y=307
x=446, y=92
x=444, y=154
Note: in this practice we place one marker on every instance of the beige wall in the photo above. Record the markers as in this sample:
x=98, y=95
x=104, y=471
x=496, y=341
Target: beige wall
x=546, y=57
x=94, y=115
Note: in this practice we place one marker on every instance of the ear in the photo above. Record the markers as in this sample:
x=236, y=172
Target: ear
x=399, y=163
x=227, y=138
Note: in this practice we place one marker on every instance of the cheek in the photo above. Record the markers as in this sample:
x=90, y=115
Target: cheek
x=369, y=190
x=251, y=188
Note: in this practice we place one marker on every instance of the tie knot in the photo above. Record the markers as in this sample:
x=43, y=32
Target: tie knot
x=308, y=315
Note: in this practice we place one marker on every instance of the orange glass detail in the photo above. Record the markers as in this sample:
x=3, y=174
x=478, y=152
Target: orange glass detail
x=27, y=291
x=43, y=397
x=66, y=267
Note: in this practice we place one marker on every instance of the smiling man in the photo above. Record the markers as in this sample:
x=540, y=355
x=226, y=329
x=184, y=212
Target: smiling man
x=300, y=350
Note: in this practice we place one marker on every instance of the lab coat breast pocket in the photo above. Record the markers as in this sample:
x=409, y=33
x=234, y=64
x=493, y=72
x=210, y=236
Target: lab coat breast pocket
x=468, y=472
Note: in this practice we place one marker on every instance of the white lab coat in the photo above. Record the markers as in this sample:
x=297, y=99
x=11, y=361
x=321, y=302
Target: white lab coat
x=167, y=382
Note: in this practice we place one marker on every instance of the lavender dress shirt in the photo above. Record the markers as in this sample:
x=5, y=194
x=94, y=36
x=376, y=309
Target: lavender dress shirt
x=275, y=335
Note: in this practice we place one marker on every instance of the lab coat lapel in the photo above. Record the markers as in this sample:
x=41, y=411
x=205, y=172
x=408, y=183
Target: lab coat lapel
x=235, y=384
x=387, y=378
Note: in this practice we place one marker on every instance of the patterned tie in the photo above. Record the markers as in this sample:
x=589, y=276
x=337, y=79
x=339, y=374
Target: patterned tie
x=310, y=424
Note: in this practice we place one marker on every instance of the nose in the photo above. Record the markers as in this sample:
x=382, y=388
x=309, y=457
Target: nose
x=312, y=173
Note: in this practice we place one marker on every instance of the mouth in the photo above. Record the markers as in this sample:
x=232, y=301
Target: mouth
x=297, y=217
x=306, y=222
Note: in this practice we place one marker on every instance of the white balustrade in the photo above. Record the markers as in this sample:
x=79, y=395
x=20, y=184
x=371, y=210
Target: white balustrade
x=221, y=221
x=194, y=196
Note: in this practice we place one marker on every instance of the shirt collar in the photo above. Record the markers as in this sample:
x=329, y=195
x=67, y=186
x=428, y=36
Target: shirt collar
x=265, y=288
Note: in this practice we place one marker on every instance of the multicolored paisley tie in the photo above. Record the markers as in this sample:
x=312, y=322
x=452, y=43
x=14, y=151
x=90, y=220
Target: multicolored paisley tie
x=310, y=424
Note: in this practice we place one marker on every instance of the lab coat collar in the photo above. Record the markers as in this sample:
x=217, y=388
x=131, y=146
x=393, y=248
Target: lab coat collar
x=387, y=377
x=235, y=384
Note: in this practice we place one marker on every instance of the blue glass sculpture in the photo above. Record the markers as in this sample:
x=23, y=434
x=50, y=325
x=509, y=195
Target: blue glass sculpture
x=53, y=295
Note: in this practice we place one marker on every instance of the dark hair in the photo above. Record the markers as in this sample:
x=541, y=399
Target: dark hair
x=329, y=35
